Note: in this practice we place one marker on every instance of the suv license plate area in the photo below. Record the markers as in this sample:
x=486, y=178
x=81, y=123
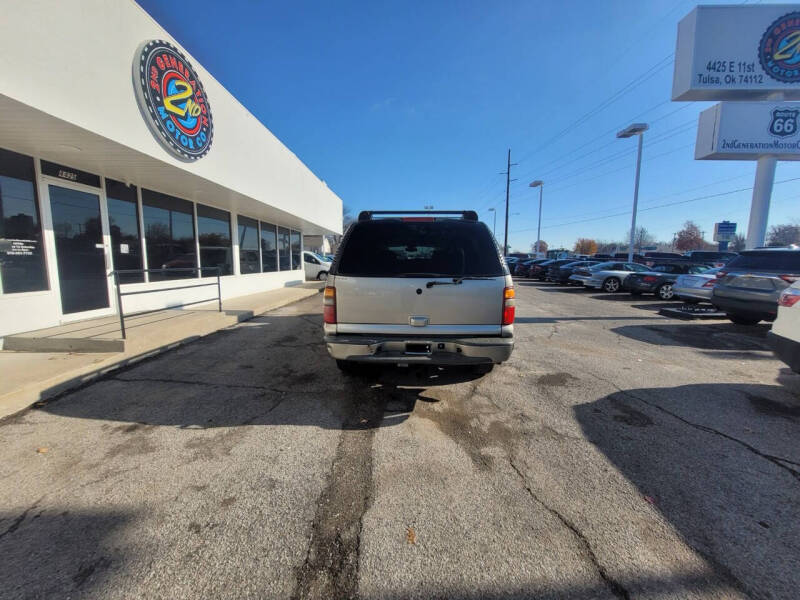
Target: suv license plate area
x=418, y=348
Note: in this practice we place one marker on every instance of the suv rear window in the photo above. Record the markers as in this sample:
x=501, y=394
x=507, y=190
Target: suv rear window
x=770, y=260
x=446, y=248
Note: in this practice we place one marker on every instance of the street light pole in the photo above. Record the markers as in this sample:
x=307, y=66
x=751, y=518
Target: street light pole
x=540, y=184
x=494, y=221
x=635, y=129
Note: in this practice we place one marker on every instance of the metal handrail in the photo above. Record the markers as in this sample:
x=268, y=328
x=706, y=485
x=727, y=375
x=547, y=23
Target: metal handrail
x=120, y=293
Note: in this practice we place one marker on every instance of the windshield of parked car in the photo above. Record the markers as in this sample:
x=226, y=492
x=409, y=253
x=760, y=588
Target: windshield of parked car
x=766, y=260
x=394, y=248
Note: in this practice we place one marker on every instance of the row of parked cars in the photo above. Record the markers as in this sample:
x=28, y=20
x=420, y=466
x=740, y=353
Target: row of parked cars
x=749, y=287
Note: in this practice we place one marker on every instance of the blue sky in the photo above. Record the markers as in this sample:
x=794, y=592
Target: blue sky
x=398, y=105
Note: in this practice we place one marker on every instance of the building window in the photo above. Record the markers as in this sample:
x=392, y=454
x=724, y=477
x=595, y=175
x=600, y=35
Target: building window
x=168, y=234
x=214, y=233
x=297, y=250
x=284, y=259
x=269, y=248
x=123, y=221
x=22, y=267
x=248, y=246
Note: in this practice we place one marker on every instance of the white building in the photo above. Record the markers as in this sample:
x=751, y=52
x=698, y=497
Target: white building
x=118, y=151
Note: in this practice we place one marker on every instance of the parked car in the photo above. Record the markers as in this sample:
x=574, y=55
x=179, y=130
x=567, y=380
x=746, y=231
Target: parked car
x=539, y=270
x=785, y=334
x=564, y=272
x=607, y=276
x=655, y=258
x=659, y=279
x=748, y=287
x=520, y=255
x=552, y=267
x=552, y=273
x=511, y=263
x=410, y=290
x=696, y=287
x=602, y=256
x=315, y=265
x=712, y=259
x=637, y=258
x=524, y=268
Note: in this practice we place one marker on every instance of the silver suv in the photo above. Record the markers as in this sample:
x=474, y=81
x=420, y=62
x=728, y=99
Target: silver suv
x=430, y=288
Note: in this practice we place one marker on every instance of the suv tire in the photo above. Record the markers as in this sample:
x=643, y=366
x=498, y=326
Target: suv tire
x=612, y=285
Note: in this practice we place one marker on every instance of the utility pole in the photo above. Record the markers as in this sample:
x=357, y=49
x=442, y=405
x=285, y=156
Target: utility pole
x=507, y=173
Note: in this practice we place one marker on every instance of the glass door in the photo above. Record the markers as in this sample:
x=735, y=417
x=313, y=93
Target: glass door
x=80, y=252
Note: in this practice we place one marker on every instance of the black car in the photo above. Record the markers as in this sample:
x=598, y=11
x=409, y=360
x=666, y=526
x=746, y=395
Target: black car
x=523, y=269
x=660, y=278
x=539, y=270
x=561, y=274
x=553, y=267
x=712, y=259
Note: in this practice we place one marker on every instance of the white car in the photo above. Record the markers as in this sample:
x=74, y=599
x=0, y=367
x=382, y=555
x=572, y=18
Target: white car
x=607, y=276
x=696, y=287
x=315, y=266
x=785, y=334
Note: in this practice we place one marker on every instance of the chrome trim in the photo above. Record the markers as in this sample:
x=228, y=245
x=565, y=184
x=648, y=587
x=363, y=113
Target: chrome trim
x=430, y=330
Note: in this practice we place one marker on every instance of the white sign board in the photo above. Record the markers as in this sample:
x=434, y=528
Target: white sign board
x=738, y=53
x=748, y=130
x=724, y=232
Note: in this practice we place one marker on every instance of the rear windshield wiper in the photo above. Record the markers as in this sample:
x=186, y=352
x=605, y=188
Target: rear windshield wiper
x=455, y=281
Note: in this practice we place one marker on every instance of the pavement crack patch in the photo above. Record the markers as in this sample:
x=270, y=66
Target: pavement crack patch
x=776, y=460
x=15, y=524
x=613, y=585
x=330, y=569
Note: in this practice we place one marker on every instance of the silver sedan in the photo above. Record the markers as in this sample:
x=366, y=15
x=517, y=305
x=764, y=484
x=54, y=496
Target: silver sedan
x=695, y=287
x=607, y=276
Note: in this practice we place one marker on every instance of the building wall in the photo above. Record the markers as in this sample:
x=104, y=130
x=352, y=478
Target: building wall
x=73, y=60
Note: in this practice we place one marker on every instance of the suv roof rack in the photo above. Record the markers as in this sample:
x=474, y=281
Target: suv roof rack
x=467, y=215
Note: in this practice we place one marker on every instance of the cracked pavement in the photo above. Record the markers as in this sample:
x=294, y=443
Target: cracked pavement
x=618, y=454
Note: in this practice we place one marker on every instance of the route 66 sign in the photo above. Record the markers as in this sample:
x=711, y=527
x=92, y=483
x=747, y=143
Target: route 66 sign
x=784, y=122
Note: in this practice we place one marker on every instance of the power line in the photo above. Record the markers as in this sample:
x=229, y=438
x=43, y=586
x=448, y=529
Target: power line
x=728, y=193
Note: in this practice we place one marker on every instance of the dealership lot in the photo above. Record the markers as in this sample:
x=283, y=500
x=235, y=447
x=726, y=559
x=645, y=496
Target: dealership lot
x=617, y=454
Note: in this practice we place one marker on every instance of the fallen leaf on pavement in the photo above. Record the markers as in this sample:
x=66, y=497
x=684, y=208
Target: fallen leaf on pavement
x=411, y=536
x=42, y=450
x=650, y=500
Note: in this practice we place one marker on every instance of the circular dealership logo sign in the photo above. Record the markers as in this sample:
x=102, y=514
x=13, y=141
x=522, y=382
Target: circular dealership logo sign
x=779, y=51
x=172, y=100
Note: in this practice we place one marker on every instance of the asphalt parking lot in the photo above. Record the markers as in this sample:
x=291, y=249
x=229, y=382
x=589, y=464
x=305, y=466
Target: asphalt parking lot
x=618, y=454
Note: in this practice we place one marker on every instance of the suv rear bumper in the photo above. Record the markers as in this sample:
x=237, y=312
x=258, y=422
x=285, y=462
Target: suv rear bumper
x=441, y=351
x=765, y=309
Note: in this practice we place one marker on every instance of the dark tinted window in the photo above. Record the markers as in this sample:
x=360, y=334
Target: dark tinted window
x=169, y=234
x=766, y=261
x=441, y=248
x=296, y=249
x=248, y=246
x=284, y=258
x=123, y=220
x=214, y=234
x=21, y=255
x=269, y=247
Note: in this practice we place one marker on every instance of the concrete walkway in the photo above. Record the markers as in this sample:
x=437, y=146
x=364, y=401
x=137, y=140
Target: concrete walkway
x=83, y=350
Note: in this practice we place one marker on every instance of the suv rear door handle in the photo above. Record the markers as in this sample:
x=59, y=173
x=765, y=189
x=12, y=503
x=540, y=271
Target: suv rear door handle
x=415, y=321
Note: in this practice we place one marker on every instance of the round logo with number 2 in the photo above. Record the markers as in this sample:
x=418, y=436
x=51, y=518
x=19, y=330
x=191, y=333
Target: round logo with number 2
x=172, y=100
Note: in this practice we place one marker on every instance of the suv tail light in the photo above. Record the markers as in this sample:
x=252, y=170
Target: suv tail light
x=508, y=306
x=329, y=305
x=789, y=278
x=789, y=297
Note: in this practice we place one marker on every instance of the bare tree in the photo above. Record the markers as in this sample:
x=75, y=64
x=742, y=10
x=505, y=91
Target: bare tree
x=738, y=243
x=783, y=235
